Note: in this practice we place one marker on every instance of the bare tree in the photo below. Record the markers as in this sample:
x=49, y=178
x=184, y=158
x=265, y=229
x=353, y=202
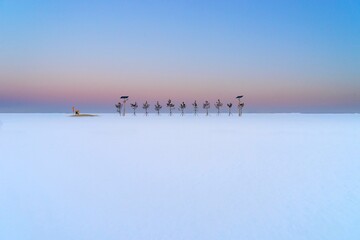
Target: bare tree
x=118, y=107
x=134, y=106
x=229, y=106
x=206, y=106
x=240, y=105
x=170, y=105
x=73, y=110
x=146, y=106
x=182, y=108
x=218, y=105
x=158, y=107
x=195, y=105
x=124, y=98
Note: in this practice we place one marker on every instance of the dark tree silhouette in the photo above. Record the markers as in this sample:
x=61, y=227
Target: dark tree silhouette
x=240, y=105
x=158, y=107
x=118, y=107
x=218, y=105
x=206, y=106
x=182, y=108
x=124, y=98
x=134, y=106
x=195, y=105
x=229, y=106
x=170, y=105
x=146, y=106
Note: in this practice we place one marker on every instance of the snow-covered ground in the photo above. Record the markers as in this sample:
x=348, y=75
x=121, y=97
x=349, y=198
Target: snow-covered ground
x=261, y=176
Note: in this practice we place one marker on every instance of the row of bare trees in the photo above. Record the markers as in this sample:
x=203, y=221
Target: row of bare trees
x=120, y=106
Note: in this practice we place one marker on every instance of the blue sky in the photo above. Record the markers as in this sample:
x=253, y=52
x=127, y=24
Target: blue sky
x=284, y=56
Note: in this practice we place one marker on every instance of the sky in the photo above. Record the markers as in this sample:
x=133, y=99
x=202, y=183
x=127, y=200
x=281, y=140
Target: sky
x=283, y=56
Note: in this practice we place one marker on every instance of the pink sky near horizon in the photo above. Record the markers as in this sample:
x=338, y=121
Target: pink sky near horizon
x=92, y=90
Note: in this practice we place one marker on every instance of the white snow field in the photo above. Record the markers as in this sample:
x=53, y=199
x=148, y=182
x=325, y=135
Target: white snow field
x=261, y=176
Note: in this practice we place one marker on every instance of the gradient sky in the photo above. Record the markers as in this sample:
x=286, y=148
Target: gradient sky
x=284, y=56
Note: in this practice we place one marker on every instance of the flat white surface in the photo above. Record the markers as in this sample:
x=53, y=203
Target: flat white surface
x=261, y=176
